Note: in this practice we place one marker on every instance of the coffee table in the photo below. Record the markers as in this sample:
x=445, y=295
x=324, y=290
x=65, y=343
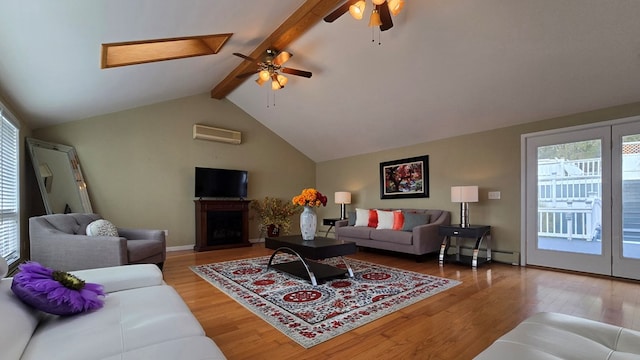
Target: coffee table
x=308, y=250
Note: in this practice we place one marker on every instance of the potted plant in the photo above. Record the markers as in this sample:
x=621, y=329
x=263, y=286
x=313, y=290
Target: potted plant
x=275, y=215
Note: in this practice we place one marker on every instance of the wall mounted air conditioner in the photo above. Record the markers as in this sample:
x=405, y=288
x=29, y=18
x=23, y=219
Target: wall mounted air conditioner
x=215, y=134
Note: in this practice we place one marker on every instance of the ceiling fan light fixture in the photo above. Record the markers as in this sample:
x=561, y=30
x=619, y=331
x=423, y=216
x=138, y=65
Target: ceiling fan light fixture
x=264, y=75
x=269, y=69
x=281, y=58
x=357, y=10
x=375, y=20
x=282, y=80
x=275, y=85
x=378, y=2
x=395, y=6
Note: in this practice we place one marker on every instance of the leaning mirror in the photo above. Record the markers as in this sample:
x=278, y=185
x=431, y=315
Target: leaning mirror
x=59, y=177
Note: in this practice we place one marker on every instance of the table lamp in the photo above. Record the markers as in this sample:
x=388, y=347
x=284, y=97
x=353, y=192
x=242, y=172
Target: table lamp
x=464, y=195
x=343, y=198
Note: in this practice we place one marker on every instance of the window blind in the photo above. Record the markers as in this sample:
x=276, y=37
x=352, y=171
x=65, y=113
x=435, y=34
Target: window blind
x=9, y=211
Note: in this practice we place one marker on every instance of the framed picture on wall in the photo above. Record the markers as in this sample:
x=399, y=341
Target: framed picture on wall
x=405, y=178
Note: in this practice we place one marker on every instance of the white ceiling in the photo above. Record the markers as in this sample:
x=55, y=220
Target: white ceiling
x=446, y=68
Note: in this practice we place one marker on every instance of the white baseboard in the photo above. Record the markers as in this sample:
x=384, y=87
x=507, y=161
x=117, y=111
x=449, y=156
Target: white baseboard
x=190, y=247
x=506, y=257
x=180, y=248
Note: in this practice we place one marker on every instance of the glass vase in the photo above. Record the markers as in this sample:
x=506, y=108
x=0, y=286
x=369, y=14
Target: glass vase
x=308, y=223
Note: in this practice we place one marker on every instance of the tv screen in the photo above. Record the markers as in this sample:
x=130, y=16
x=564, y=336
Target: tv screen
x=221, y=183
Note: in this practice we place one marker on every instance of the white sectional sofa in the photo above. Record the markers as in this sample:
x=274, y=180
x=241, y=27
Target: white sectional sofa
x=142, y=318
x=547, y=336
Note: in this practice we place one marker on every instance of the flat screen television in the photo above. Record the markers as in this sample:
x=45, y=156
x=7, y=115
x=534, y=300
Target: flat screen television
x=221, y=183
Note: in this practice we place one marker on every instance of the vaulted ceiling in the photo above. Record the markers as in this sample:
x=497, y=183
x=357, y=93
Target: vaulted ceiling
x=446, y=68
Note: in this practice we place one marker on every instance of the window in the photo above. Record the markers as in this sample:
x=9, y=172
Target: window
x=9, y=211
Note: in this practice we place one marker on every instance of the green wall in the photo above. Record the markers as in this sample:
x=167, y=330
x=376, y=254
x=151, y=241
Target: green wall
x=139, y=163
x=139, y=166
x=488, y=159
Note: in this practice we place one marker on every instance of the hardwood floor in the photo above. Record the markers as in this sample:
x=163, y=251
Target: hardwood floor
x=455, y=324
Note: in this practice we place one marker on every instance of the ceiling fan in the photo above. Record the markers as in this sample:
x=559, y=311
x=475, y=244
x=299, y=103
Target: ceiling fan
x=271, y=67
x=380, y=15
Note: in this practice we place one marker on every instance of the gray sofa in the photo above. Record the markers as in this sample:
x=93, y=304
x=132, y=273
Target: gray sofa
x=60, y=241
x=422, y=239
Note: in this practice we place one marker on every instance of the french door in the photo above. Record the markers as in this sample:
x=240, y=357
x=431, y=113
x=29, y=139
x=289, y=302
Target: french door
x=582, y=199
x=626, y=200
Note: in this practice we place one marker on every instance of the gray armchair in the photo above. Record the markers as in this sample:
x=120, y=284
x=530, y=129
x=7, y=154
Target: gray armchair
x=59, y=241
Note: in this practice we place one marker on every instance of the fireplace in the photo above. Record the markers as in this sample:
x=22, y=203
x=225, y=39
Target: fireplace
x=221, y=224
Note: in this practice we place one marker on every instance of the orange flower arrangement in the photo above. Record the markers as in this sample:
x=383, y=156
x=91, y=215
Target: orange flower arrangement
x=310, y=197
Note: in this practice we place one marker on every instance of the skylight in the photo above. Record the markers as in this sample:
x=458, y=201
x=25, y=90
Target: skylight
x=139, y=52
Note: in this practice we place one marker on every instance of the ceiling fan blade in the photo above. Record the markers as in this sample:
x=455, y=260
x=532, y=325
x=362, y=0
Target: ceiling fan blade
x=245, y=57
x=247, y=74
x=385, y=16
x=339, y=11
x=297, y=72
x=281, y=58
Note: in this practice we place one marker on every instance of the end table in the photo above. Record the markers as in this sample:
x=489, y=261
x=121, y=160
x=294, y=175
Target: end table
x=477, y=232
x=331, y=223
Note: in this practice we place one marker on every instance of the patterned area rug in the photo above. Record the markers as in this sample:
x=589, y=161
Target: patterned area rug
x=313, y=314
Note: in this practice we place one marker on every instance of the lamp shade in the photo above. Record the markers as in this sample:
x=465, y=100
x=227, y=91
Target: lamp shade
x=464, y=194
x=282, y=80
x=342, y=197
x=264, y=75
x=395, y=6
x=357, y=10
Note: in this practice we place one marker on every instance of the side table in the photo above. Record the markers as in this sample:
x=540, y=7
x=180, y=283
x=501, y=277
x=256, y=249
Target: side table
x=477, y=232
x=331, y=223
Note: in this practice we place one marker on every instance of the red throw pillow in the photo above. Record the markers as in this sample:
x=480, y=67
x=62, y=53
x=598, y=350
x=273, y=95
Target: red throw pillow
x=398, y=220
x=373, y=218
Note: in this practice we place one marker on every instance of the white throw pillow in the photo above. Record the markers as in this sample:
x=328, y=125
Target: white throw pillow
x=102, y=228
x=385, y=219
x=362, y=217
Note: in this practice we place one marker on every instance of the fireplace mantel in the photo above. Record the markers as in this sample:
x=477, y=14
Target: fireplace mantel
x=221, y=224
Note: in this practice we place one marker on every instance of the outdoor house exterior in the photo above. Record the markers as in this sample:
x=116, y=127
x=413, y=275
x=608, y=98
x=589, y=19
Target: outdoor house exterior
x=570, y=201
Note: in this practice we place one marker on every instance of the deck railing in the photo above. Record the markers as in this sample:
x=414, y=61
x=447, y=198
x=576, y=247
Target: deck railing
x=569, y=195
x=568, y=224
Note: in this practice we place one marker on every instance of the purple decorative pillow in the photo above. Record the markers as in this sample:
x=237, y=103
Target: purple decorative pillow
x=55, y=292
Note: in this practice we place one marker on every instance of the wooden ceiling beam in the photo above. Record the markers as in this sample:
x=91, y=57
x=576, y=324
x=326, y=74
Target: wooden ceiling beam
x=307, y=15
